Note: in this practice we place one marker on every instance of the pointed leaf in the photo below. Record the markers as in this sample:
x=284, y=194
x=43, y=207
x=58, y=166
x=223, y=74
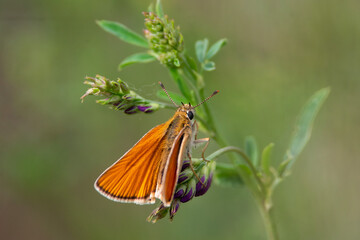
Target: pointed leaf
x=159, y=9
x=176, y=97
x=209, y=66
x=214, y=49
x=124, y=33
x=201, y=48
x=251, y=150
x=191, y=62
x=265, y=158
x=226, y=175
x=184, y=89
x=137, y=58
x=303, y=126
x=282, y=167
x=151, y=7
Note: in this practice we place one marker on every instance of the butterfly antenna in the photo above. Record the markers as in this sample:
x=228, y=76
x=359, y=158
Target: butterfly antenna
x=213, y=94
x=163, y=87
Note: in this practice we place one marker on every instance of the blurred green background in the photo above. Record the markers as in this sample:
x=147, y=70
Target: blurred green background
x=279, y=53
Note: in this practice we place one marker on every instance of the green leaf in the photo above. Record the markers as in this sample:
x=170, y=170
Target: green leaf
x=251, y=150
x=176, y=97
x=159, y=9
x=209, y=66
x=265, y=158
x=226, y=175
x=124, y=33
x=151, y=7
x=137, y=58
x=191, y=62
x=282, y=167
x=303, y=126
x=201, y=48
x=214, y=49
x=185, y=91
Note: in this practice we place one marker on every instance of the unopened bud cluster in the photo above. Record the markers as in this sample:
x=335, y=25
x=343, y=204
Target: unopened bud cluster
x=118, y=96
x=188, y=186
x=166, y=40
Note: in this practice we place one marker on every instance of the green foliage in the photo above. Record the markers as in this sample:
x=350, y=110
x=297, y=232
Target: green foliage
x=215, y=48
x=204, y=55
x=124, y=33
x=265, y=158
x=159, y=9
x=136, y=58
x=200, y=49
x=303, y=128
x=251, y=149
x=209, y=66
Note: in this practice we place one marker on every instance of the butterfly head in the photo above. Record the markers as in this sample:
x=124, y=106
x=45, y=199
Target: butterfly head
x=188, y=109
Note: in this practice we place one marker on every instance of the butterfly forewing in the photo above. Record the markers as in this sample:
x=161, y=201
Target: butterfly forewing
x=133, y=178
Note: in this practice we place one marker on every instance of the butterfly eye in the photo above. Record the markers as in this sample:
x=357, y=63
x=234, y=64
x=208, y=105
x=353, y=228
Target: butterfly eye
x=190, y=115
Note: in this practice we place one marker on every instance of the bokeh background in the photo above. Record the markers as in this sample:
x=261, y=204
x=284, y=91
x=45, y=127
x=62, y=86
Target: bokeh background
x=279, y=53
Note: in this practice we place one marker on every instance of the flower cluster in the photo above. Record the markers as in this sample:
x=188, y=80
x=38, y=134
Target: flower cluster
x=118, y=95
x=166, y=40
x=188, y=186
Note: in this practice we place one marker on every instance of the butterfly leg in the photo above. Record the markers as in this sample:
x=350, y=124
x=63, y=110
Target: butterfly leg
x=202, y=140
x=192, y=169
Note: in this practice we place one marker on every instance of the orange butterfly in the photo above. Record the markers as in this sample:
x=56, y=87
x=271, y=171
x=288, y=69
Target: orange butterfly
x=150, y=169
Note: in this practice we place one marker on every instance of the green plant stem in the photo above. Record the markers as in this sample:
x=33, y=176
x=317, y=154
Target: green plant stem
x=269, y=221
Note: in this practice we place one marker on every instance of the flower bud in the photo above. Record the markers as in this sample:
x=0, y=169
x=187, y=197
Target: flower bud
x=144, y=108
x=158, y=213
x=90, y=91
x=185, y=175
x=166, y=40
x=118, y=95
x=114, y=99
x=174, y=208
x=180, y=191
x=190, y=191
x=201, y=189
x=124, y=87
x=186, y=164
x=130, y=110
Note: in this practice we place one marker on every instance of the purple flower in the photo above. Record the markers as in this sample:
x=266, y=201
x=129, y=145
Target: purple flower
x=130, y=110
x=185, y=165
x=202, y=190
x=185, y=176
x=180, y=191
x=174, y=208
x=190, y=191
x=200, y=185
x=143, y=108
